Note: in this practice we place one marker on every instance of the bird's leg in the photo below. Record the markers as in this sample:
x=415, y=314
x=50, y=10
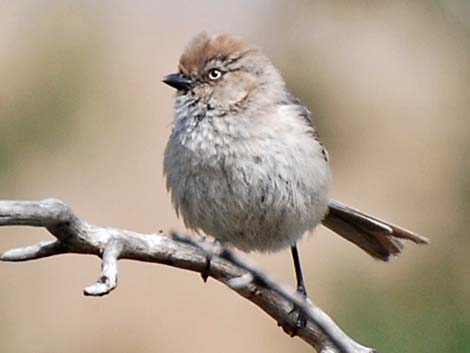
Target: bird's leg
x=207, y=268
x=298, y=271
x=301, y=321
x=205, y=272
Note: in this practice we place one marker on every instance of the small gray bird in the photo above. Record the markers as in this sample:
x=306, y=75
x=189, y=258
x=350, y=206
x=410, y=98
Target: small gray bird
x=244, y=162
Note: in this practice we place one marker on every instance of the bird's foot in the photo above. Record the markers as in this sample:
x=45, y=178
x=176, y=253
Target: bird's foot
x=207, y=269
x=300, y=318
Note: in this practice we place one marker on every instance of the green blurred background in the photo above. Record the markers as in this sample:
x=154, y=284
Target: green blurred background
x=85, y=118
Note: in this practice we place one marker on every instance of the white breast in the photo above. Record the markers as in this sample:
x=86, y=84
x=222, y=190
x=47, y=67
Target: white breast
x=258, y=183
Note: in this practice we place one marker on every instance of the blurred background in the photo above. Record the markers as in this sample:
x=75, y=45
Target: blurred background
x=84, y=117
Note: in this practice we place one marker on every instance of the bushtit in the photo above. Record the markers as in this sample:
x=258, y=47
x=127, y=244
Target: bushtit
x=244, y=162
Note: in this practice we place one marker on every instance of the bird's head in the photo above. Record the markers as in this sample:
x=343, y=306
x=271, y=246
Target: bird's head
x=225, y=73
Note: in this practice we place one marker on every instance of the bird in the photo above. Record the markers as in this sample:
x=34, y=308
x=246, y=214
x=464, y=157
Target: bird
x=244, y=162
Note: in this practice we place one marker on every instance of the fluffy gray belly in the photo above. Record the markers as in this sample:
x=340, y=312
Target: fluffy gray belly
x=252, y=202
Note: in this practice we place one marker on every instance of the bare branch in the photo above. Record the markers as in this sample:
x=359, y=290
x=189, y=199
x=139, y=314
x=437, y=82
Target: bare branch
x=108, y=279
x=76, y=236
x=322, y=321
x=43, y=249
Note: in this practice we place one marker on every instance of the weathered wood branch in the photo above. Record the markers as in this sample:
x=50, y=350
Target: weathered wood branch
x=74, y=235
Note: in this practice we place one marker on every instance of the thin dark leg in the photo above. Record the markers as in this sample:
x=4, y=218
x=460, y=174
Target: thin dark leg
x=298, y=271
x=207, y=268
x=301, y=321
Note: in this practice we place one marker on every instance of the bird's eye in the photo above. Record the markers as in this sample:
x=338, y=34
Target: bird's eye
x=214, y=74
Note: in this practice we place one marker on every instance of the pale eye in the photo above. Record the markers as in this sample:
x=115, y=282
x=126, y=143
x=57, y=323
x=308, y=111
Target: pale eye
x=214, y=74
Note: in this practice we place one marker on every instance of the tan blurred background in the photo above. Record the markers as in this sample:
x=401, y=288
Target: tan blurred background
x=85, y=118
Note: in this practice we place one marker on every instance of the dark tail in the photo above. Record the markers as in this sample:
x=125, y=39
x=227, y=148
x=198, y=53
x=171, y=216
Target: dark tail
x=378, y=238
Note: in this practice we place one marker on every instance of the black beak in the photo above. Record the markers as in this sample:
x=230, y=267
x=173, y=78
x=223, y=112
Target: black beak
x=178, y=81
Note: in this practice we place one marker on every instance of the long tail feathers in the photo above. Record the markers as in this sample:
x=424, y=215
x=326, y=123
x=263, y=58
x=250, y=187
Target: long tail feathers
x=378, y=238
